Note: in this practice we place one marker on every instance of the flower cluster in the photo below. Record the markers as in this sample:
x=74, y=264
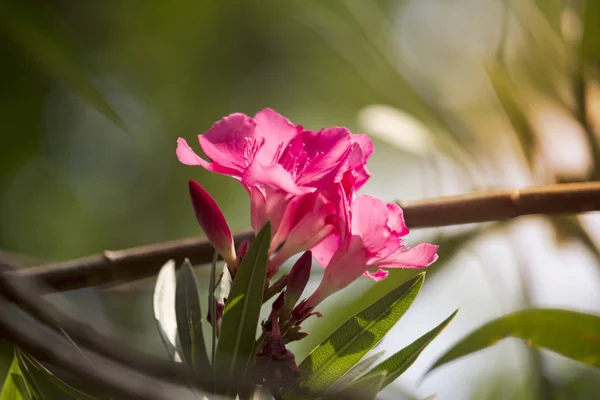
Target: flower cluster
x=305, y=183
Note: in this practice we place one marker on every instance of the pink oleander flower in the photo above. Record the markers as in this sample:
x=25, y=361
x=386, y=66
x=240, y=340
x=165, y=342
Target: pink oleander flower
x=213, y=223
x=287, y=172
x=372, y=243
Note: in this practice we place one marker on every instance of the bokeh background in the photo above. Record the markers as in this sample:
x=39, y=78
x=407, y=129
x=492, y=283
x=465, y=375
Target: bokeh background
x=457, y=95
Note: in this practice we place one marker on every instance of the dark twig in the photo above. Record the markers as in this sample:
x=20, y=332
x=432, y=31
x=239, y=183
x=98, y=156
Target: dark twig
x=141, y=262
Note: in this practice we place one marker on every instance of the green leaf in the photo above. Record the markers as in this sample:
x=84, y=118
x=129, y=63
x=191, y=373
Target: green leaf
x=365, y=389
x=242, y=312
x=551, y=10
x=590, y=43
x=48, y=385
x=15, y=387
x=568, y=227
x=359, y=369
x=189, y=320
x=38, y=31
x=512, y=103
x=164, y=309
x=573, y=334
x=212, y=307
x=333, y=358
x=399, y=362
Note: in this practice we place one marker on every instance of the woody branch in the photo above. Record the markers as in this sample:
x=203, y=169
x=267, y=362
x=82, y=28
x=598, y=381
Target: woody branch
x=145, y=261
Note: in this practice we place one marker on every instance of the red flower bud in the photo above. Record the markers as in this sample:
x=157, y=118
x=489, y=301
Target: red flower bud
x=297, y=280
x=213, y=222
x=243, y=248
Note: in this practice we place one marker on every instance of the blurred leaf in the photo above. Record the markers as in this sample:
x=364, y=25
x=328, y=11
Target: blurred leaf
x=212, y=306
x=14, y=387
x=189, y=320
x=356, y=371
x=365, y=389
x=333, y=358
x=508, y=95
x=543, y=42
x=399, y=362
x=241, y=314
x=38, y=31
x=590, y=43
x=571, y=228
x=352, y=36
x=572, y=334
x=551, y=10
x=164, y=309
x=48, y=385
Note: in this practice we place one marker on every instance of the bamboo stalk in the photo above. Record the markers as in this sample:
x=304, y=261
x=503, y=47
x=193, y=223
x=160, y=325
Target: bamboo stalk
x=145, y=261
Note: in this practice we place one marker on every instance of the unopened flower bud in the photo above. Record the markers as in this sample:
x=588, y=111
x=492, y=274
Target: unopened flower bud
x=243, y=248
x=213, y=222
x=278, y=304
x=297, y=280
x=294, y=337
x=219, y=307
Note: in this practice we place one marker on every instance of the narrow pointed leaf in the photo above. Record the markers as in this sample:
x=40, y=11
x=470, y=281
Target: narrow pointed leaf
x=399, y=362
x=212, y=307
x=15, y=387
x=359, y=369
x=241, y=314
x=568, y=227
x=511, y=101
x=38, y=31
x=365, y=389
x=333, y=358
x=573, y=334
x=189, y=320
x=48, y=385
x=164, y=309
x=590, y=46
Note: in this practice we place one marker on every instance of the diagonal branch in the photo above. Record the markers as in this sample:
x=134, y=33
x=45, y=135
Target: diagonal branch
x=145, y=261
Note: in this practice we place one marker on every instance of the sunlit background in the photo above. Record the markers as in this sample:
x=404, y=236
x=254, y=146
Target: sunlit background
x=457, y=95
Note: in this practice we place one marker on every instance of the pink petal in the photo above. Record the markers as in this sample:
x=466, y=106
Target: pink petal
x=309, y=222
x=378, y=275
x=365, y=143
x=311, y=155
x=323, y=252
x=347, y=264
x=297, y=208
x=363, y=176
x=419, y=256
x=276, y=202
x=277, y=131
x=396, y=219
x=369, y=221
x=232, y=142
x=258, y=215
x=274, y=176
x=187, y=156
